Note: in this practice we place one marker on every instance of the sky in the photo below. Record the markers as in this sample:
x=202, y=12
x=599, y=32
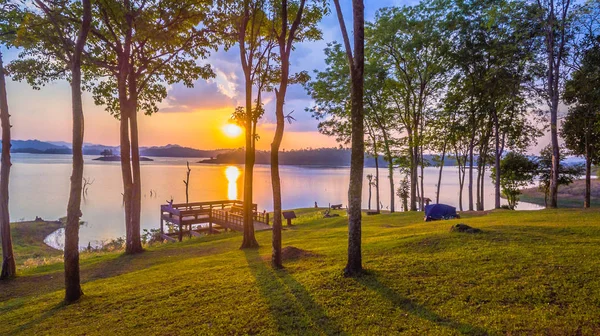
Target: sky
x=192, y=117
x=188, y=117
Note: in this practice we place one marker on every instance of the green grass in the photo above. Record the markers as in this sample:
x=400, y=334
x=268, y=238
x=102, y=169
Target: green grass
x=528, y=273
x=28, y=243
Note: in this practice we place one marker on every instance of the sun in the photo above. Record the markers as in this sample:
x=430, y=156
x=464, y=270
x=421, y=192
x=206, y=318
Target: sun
x=232, y=130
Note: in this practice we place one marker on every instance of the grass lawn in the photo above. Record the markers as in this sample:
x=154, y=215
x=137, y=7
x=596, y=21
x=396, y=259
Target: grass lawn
x=533, y=272
x=28, y=243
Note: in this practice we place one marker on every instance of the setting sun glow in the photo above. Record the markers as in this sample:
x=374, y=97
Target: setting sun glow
x=232, y=130
x=232, y=173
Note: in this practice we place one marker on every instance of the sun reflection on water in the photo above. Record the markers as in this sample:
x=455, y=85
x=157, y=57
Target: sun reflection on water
x=232, y=173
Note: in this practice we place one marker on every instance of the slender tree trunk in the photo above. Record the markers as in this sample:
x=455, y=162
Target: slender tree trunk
x=497, y=162
x=461, y=179
x=357, y=65
x=275, y=179
x=378, y=207
x=71, y=254
x=370, y=187
x=413, y=172
x=588, y=173
x=422, y=199
x=478, y=182
x=391, y=178
x=135, y=243
x=471, y=145
x=127, y=110
x=249, y=240
x=439, y=183
x=555, y=153
x=482, y=189
x=389, y=159
x=275, y=145
x=9, y=268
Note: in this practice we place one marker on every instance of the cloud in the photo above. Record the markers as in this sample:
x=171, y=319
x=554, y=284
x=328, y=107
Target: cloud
x=205, y=95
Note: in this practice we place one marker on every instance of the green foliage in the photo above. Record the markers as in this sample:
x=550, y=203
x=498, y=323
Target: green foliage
x=403, y=192
x=581, y=132
x=518, y=171
x=566, y=173
x=10, y=17
x=168, y=43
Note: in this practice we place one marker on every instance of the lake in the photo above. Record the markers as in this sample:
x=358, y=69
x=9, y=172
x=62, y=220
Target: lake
x=39, y=186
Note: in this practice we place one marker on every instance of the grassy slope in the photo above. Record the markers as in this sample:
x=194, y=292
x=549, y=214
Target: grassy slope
x=528, y=273
x=570, y=196
x=27, y=239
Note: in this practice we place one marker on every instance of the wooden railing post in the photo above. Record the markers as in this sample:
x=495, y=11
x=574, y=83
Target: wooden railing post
x=162, y=230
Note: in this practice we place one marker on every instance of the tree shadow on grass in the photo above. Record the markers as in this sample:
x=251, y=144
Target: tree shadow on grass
x=48, y=314
x=290, y=304
x=370, y=280
x=30, y=285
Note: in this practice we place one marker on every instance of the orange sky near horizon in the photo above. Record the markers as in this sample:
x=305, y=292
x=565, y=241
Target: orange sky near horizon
x=46, y=115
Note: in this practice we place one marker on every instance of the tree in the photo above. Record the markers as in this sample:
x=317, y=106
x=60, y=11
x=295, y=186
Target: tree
x=302, y=28
x=107, y=152
x=55, y=46
x=333, y=106
x=412, y=43
x=555, y=19
x=566, y=173
x=403, y=192
x=248, y=25
x=9, y=16
x=356, y=63
x=518, y=171
x=494, y=56
x=137, y=48
x=580, y=129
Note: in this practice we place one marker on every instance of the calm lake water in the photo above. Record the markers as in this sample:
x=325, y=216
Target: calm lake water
x=39, y=186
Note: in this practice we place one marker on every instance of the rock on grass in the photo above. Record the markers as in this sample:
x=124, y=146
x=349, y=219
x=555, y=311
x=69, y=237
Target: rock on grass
x=464, y=228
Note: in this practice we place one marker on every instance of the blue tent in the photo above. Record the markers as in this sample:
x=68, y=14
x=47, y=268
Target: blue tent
x=440, y=211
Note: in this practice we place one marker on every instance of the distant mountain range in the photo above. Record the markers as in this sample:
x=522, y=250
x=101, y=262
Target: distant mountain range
x=330, y=157
x=61, y=147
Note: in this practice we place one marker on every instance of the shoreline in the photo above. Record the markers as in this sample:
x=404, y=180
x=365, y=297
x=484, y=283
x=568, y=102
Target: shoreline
x=571, y=196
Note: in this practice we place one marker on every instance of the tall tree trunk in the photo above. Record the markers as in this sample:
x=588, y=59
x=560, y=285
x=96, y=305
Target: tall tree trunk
x=588, y=172
x=392, y=192
x=555, y=153
x=369, y=205
x=482, y=188
x=284, y=41
x=421, y=179
x=461, y=179
x=471, y=145
x=497, y=158
x=378, y=207
x=478, y=182
x=390, y=160
x=135, y=242
x=249, y=240
x=275, y=179
x=9, y=268
x=357, y=66
x=71, y=254
x=127, y=109
x=413, y=172
x=439, y=183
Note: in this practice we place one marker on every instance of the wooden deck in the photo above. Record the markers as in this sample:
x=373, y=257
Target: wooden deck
x=208, y=217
